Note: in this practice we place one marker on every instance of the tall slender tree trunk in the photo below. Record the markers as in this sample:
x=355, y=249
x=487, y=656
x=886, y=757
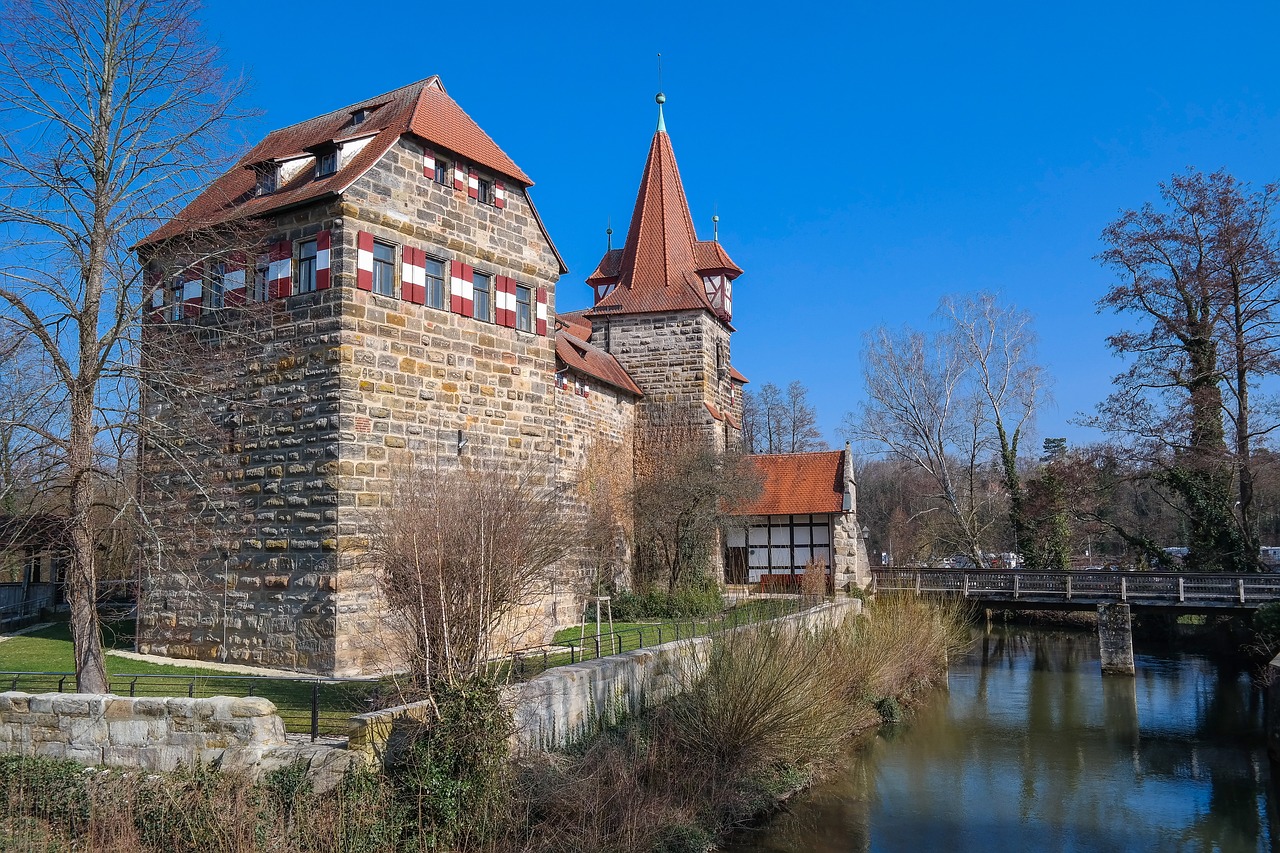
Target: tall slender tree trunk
x=82, y=580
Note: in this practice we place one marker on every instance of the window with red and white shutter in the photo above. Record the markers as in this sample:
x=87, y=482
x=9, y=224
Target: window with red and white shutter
x=364, y=260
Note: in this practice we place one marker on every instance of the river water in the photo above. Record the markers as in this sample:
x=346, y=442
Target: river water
x=1030, y=748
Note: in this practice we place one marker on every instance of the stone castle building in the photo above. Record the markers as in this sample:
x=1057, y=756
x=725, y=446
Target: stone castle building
x=373, y=288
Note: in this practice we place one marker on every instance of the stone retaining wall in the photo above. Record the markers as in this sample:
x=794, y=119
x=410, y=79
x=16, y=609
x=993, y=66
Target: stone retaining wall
x=154, y=733
x=568, y=703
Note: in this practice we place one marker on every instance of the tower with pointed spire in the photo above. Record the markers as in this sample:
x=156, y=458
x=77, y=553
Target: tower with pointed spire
x=663, y=305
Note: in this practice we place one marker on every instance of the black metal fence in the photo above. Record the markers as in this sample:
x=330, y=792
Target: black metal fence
x=314, y=706
x=526, y=663
x=323, y=706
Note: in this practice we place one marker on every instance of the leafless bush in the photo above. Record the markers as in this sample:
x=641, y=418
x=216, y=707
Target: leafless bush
x=459, y=551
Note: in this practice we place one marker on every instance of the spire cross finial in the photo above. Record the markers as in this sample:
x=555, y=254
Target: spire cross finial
x=661, y=99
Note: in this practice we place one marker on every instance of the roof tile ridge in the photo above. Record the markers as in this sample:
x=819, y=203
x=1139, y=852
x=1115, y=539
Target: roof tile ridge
x=350, y=107
x=521, y=178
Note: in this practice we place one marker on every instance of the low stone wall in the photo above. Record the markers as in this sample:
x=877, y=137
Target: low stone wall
x=154, y=733
x=567, y=703
x=164, y=734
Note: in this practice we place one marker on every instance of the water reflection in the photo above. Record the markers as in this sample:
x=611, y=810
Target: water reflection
x=1031, y=749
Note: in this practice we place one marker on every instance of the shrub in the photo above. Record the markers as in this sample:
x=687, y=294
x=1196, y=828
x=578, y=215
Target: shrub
x=699, y=597
x=452, y=775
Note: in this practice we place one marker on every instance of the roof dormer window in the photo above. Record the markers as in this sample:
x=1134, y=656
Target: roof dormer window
x=359, y=116
x=268, y=178
x=326, y=163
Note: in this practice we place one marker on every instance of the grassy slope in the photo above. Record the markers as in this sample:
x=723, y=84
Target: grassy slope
x=49, y=650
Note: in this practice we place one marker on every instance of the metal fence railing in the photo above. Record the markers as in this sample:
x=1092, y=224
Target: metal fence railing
x=323, y=706
x=526, y=663
x=314, y=706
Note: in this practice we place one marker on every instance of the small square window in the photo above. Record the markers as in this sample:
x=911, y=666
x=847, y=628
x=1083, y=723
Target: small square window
x=442, y=171
x=483, y=294
x=384, y=269
x=326, y=164
x=307, y=266
x=435, y=282
x=524, y=308
x=485, y=193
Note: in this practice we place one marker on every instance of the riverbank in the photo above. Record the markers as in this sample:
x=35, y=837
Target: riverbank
x=769, y=712
x=1029, y=747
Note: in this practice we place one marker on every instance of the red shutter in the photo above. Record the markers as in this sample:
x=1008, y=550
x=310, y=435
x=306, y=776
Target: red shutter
x=499, y=195
x=459, y=177
x=511, y=303
x=322, y=260
x=364, y=261
x=236, y=263
x=428, y=164
x=468, y=291
x=281, y=270
x=541, y=309
x=473, y=184
x=455, y=286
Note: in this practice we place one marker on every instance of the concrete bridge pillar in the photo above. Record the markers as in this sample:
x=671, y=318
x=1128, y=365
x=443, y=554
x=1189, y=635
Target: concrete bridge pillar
x=1115, y=639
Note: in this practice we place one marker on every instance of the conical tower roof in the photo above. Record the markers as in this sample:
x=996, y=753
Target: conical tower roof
x=660, y=266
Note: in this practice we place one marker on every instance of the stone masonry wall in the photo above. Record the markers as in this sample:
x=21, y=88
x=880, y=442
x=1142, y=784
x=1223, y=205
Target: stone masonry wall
x=595, y=448
x=568, y=703
x=413, y=376
x=154, y=733
x=240, y=478
x=309, y=403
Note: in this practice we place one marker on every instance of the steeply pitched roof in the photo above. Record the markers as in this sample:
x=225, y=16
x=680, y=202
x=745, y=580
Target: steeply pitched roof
x=658, y=267
x=736, y=376
x=423, y=109
x=795, y=483
x=575, y=323
x=581, y=356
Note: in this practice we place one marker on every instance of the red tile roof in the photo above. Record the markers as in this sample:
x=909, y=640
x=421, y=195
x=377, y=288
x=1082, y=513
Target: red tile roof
x=422, y=109
x=736, y=376
x=575, y=323
x=581, y=356
x=659, y=266
x=795, y=483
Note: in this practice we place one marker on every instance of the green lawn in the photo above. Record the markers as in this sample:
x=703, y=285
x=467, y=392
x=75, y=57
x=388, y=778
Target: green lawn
x=49, y=651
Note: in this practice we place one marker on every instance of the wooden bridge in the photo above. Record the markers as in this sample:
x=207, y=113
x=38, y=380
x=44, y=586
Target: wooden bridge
x=1084, y=590
x=1113, y=594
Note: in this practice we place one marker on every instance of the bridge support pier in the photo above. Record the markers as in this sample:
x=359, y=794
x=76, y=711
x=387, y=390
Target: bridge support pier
x=1115, y=639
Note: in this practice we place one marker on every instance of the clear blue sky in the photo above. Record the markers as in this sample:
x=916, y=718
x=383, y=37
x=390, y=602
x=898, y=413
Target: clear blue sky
x=865, y=159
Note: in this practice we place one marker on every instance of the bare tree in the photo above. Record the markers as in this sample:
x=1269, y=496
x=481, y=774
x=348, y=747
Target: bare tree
x=1202, y=276
x=1000, y=347
x=112, y=112
x=775, y=421
x=684, y=493
x=950, y=402
x=458, y=552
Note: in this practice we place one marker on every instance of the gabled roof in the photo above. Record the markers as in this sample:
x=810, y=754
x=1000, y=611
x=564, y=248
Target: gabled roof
x=798, y=483
x=576, y=323
x=659, y=267
x=422, y=109
x=581, y=356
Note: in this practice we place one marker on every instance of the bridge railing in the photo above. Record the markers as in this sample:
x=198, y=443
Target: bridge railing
x=1136, y=587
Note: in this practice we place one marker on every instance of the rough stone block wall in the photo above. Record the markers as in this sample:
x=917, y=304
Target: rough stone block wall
x=849, y=551
x=596, y=473
x=154, y=733
x=413, y=376
x=309, y=403
x=240, y=479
